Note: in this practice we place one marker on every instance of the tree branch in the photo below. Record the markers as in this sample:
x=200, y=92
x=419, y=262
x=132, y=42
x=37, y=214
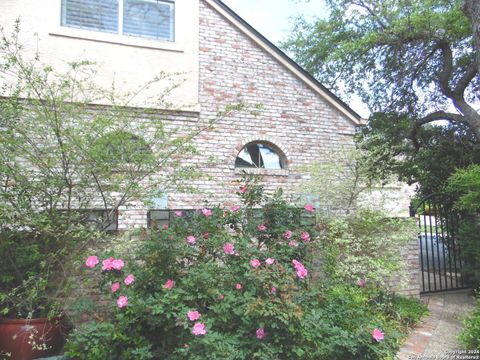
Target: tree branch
x=462, y=84
x=438, y=115
x=446, y=71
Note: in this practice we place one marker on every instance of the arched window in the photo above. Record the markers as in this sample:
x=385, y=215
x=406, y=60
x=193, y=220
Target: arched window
x=260, y=155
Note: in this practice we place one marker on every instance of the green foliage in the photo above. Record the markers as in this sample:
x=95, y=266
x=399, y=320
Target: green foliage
x=61, y=157
x=442, y=150
x=470, y=335
x=393, y=54
x=464, y=184
x=339, y=179
x=365, y=245
x=302, y=318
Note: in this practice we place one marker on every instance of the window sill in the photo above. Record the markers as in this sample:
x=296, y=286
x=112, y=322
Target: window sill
x=116, y=39
x=267, y=172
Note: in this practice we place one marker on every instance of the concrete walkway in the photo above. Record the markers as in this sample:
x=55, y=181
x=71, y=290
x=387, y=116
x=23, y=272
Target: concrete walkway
x=436, y=336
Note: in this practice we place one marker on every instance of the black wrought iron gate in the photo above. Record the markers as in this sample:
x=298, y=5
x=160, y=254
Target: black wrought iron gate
x=441, y=264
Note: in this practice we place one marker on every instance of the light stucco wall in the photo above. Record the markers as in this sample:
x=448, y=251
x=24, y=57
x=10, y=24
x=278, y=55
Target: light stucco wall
x=129, y=61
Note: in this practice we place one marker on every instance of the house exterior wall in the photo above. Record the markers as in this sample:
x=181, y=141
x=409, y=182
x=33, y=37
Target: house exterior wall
x=128, y=61
x=296, y=119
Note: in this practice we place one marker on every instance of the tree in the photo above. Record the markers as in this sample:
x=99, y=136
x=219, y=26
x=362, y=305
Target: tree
x=419, y=58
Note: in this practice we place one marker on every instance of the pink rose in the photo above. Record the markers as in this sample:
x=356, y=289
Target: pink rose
x=178, y=213
x=205, y=235
x=207, y=212
x=91, y=262
x=122, y=301
x=115, y=286
x=255, y=263
x=287, y=234
x=191, y=240
x=169, y=284
x=305, y=236
x=377, y=335
x=260, y=333
x=274, y=290
x=238, y=286
x=129, y=279
x=199, y=329
x=229, y=249
x=360, y=283
x=235, y=208
x=165, y=226
x=107, y=264
x=243, y=189
x=270, y=261
x=309, y=208
x=221, y=297
x=193, y=315
x=302, y=272
x=261, y=227
x=117, y=264
x=292, y=244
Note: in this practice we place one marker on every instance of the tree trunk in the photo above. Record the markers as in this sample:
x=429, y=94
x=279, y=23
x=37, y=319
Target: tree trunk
x=471, y=8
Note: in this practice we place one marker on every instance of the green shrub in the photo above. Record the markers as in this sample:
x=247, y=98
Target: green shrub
x=255, y=300
x=470, y=336
x=364, y=246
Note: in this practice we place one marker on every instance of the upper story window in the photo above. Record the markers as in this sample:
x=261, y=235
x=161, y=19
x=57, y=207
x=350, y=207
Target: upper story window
x=151, y=19
x=259, y=155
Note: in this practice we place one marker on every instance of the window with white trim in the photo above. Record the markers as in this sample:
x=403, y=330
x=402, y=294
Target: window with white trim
x=259, y=154
x=151, y=19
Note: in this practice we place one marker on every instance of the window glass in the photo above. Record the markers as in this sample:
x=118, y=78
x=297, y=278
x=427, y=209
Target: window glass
x=150, y=19
x=258, y=155
x=98, y=15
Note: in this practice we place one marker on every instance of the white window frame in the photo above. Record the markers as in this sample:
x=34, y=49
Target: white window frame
x=179, y=30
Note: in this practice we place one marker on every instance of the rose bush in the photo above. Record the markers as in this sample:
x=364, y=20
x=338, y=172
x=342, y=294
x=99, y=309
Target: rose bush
x=226, y=284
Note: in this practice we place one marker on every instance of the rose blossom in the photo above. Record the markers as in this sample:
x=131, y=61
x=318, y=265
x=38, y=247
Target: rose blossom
x=238, y=286
x=292, y=244
x=199, y=329
x=305, y=236
x=302, y=272
x=361, y=283
x=243, y=189
x=287, y=234
x=270, y=261
x=115, y=286
x=205, y=235
x=235, y=208
x=169, y=284
x=255, y=263
x=377, y=335
x=221, y=297
x=274, y=290
x=178, y=213
x=309, y=208
x=260, y=333
x=122, y=301
x=229, y=249
x=107, y=264
x=165, y=226
x=118, y=264
x=129, y=279
x=91, y=262
x=261, y=227
x=206, y=212
x=193, y=315
x=191, y=240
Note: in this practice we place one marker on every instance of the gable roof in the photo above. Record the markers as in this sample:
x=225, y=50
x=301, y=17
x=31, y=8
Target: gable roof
x=284, y=59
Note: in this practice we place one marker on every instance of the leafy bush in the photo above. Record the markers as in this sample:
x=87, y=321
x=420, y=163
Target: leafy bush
x=470, y=336
x=364, y=246
x=234, y=284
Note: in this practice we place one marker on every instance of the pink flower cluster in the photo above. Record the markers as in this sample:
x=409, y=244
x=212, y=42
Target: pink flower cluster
x=207, y=212
x=199, y=329
x=112, y=264
x=255, y=263
x=302, y=272
x=229, y=249
x=169, y=284
x=260, y=333
x=191, y=239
